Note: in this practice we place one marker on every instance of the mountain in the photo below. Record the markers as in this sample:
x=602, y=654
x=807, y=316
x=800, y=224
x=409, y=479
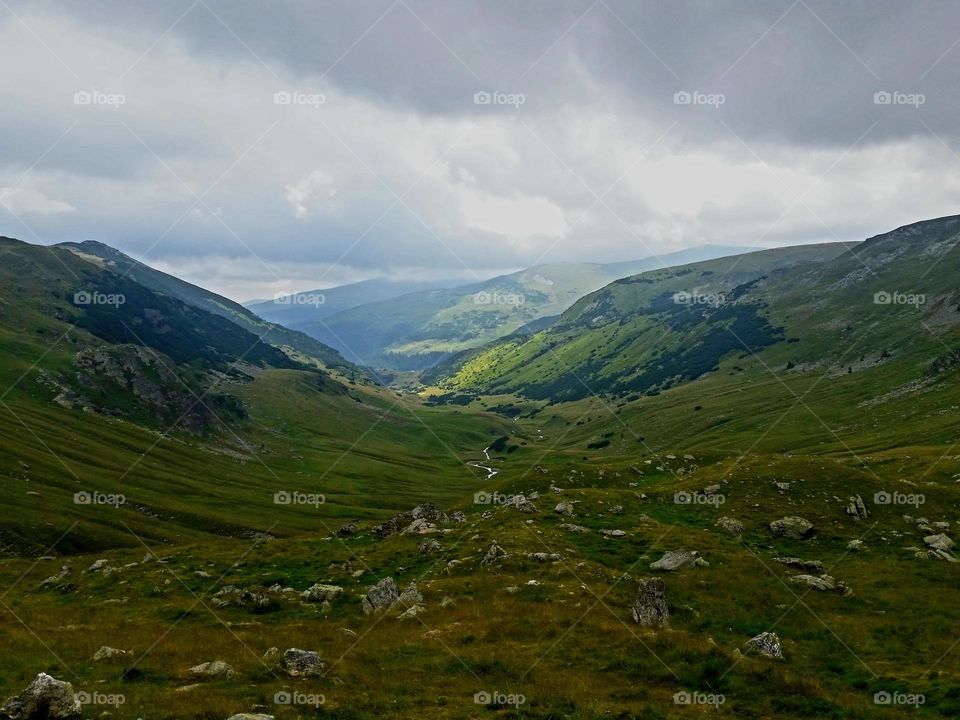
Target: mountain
x=414, y=331
x=788, y=308
x=296, y=343
x=303, y=308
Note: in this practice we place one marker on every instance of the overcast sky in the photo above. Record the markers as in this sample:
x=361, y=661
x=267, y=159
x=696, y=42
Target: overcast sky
x=256, y=147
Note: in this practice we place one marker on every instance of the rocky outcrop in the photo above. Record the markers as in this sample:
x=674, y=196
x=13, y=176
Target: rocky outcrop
x=322, y=593
x=215, y=670
x=46, y=698
x=678, y=560
x=382, y=595
x=810, y=566
x=427, y=512
x=650, y=606
x=766, y=644
x=494, y=555
x=823, y=583
x=792, y=528
x=856, y=509
x=302, y=663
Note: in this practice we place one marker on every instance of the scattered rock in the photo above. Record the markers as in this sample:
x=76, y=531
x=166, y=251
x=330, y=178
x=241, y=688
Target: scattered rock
x=810, y=566
x=410, y=595
x=766, y=644
x=108, y=653
x=678, y=560
x=939, y=542
x=855, y=545
x=250, y=716
x=322, y=593
x=650, y=606
x=731, y=525
x=613, y=533
x=46, y=698
x=411, y=612
x=494, y=555
x=856, y=509
x=216, y=670
x=571, y=528
x=382, y=595
x=428, y=547
x=823, y=583
x=544, y=557
x=348, y=529
x=792, y=527
x=302, y=663
x=427, y=512
x=564, y=507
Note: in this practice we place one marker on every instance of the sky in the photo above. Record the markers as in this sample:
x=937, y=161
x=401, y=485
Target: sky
x=256, y=148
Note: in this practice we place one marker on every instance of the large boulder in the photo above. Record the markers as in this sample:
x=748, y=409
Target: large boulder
x=46, y=698
x=766, y=644
x=792, y=527
x=302, y=663
x=678, y=560
x=650, y=607
x=382, y=595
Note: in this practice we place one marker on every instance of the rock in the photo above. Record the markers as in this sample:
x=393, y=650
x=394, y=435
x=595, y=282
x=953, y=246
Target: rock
x=792, y=527
x=411, y=612
x=272, y=656
x=571, y=528
x=46, y=698
x=544, y=557
x=494, y=555
x=302, y=663
x=766, y=644
x=250, y=716
x=382, y=595
x=216, y=670
x=564, y=507
x=939, y=542
x=348, y=529
x=855, y=545
x=428, y=547
x=823, y=583
x=108, y=653
x=427, y=511
x=58, y=579
x=782, y=486
x=322, y=593
x=98, y=565
x=616, y=510
x=613, y=533
x=711, y=489
x=856, y=509
x=420, y=526
x=650, y=606
x=678, y=560
x=731, y=525
x=410, y=595
x=810, y=566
